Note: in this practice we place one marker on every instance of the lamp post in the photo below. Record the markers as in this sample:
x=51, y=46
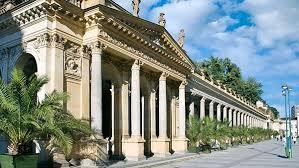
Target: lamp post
x=286, y=93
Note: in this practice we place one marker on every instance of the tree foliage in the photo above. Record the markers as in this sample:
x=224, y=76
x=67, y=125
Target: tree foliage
x=274, y=111
x=230, y=75
x=25, y=118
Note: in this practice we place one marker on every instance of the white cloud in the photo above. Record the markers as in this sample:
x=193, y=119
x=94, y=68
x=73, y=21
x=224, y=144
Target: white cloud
x=276, y=21
x=267, y=50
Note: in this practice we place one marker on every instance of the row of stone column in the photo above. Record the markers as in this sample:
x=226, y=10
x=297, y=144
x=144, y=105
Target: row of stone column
x=133, y=145
x=229, y=113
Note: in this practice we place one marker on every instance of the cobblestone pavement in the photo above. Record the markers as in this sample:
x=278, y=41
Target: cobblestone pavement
x=268, y=154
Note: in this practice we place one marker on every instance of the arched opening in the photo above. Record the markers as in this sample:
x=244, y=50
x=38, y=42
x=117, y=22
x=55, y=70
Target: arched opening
x=27, y=64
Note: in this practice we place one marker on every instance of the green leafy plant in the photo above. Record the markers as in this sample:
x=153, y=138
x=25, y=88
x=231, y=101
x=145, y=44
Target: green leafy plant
x=223, y=133
x=24, y=117
x=193, y=131
x=207, y=131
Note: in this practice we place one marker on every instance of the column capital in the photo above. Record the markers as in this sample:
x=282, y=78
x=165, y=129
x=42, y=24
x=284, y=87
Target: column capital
x=97, y=47
x=203, y=99
x=163, y=76
x=183, y=84
x=219, y=105
x=212, y=102
x=136, y=65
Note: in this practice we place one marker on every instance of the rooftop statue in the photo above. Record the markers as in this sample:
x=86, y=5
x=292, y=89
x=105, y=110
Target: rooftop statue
x=181, y=39
x=135, y=4
x=162, y=20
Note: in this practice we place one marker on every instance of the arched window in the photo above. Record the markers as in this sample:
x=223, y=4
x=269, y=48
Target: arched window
x=27, y=63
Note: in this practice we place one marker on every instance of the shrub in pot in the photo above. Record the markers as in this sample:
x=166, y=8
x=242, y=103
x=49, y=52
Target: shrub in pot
x=192, y=133
x=223, y=133
x=25, y=118
x=207, y=134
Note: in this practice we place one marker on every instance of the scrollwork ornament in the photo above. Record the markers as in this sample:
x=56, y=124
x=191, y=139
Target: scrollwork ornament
x=163, y=76
x=97, y=47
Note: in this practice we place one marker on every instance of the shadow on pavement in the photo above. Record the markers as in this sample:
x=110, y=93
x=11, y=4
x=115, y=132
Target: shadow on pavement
x=265, y=152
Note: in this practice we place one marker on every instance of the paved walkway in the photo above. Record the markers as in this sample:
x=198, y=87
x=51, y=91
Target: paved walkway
x=269, y=154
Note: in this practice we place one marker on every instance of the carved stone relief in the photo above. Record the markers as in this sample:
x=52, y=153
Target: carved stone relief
x=73, y=60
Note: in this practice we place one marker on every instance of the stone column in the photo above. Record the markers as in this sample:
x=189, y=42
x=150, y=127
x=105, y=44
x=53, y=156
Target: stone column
x=219, y=112
x=162, y=106
x=182, y=110
x=224, y=113
x=161, y=145
x=202, y=108
x=112, y=118
x=191, y=107
x=179, y=144
x=211, y=110
x=242, y=119
x=235, y=118
x=247, y=121
x=96, y=89
x=238, y=118
x=125, y=105
x=230, y=116
x=142, y=116
x=134, y=147
x=135, y=100
x=153, y=111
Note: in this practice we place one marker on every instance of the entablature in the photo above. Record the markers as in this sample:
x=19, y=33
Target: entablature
x=198, y=85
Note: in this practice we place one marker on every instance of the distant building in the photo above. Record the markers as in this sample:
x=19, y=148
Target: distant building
x=295, y=111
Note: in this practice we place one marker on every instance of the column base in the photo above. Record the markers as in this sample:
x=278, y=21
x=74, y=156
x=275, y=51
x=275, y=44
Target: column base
x=160, y=147
x=179, y=145
x=133, y=148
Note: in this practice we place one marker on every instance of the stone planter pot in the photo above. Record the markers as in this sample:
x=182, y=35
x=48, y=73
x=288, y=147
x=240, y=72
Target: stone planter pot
x=19, y=161
x=206, y=148
x=235, y=143
x=224, y=146
x=193, y=149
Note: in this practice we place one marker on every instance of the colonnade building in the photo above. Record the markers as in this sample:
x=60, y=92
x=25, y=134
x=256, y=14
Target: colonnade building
x=127, y=76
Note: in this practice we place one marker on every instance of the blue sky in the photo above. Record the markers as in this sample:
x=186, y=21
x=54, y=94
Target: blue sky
x=260, y=36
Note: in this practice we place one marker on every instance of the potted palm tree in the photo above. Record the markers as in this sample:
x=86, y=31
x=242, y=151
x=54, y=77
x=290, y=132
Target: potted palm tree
x=223, y=134
x=24, y=118
x=207, y=134
x=235, y=135
x=192, y=132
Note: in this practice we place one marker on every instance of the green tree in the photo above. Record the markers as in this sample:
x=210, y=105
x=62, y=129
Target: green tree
x=274, y=111
x=252, y=89
x=230, y=75
x=24, y=117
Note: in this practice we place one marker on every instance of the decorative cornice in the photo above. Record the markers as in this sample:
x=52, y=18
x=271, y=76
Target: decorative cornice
x=104, y=35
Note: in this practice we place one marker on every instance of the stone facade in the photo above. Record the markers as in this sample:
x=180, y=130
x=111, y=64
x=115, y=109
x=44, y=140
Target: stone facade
x=126, y=76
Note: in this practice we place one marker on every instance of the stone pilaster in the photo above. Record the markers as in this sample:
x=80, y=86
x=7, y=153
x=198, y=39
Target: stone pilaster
x=180, y=143
x=96, y=88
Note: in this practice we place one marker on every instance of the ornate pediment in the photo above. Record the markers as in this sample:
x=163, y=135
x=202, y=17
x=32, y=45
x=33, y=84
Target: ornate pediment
x=152, y=35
